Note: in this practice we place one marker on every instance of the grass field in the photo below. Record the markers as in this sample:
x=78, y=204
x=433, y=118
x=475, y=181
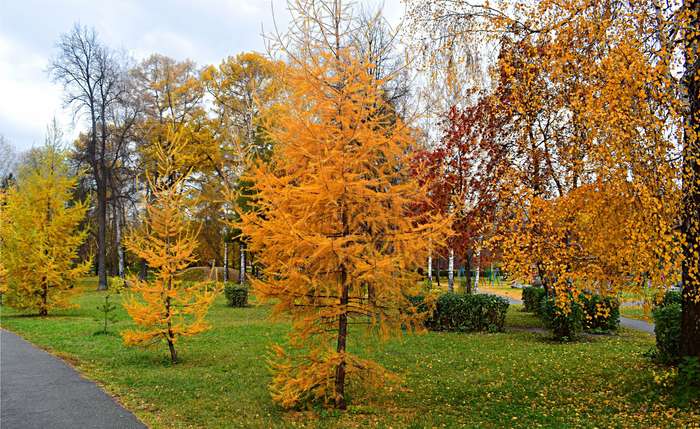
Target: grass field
x=514, y=379
x=635, y=312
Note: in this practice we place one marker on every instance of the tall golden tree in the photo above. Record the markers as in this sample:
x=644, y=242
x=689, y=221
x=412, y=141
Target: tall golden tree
x=40, y=234
x=166, y=308
x=334, y=224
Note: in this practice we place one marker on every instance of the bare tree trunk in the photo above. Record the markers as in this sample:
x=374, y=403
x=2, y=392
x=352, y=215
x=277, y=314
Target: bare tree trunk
x=451, y=271
x=241, y=274
x=44, y=309
x=170, y=335
x=468, y=272
x=690, y=319
x=225, y=261
x=101, y=235
x=118, y=241
x=430, y=267
x=438, y=271
x=143, y=273
x=477, y=270
x=340, y=402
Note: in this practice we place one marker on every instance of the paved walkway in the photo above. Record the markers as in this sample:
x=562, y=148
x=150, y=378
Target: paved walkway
x=38, y=390
x=639, y=325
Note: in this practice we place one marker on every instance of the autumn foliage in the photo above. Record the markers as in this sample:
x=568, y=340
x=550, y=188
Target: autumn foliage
x=166, y=308
x=40, y=233
x=333, y=226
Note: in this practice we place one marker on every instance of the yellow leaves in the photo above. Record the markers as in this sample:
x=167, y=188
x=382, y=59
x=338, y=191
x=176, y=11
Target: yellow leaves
x=595, y=198
x=166, y=308
x=39, y=230
x=335, y=212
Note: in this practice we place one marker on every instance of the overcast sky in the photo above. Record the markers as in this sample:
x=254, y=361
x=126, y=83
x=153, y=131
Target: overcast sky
x=205, y=31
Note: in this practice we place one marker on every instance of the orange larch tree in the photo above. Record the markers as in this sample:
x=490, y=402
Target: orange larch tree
x=167, y=307
x=334, y=224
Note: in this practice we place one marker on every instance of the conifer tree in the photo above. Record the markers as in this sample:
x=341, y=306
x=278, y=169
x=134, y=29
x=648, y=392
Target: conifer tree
x=334, y=224
x=39, y=229
x=167, y=307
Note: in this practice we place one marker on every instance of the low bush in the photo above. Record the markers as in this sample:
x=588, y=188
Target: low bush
x=667, y=321
x=532, y=298
x=566, y=323
x=671, y=297
x=467, y=313
x=601, y=314
x=236, y=295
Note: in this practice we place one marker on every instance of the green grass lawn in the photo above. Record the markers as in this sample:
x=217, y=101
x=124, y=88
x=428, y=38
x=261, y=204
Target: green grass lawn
x=512, y=379
x=635, y=312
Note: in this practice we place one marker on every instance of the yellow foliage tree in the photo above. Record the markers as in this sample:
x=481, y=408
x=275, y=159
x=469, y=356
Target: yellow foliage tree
x=586, y=100
x=166, y=308
x=40, y=235
x=605, y=173
x=334, y=224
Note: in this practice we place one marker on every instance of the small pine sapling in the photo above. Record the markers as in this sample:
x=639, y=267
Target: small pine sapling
x=107, y=310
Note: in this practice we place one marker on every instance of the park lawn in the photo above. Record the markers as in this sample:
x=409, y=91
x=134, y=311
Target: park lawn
x=635, y=312
x=502, y=289
x=514, y=379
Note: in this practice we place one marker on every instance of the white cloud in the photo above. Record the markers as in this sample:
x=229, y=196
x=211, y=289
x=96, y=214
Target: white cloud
x=205, y=31
x=28, y=99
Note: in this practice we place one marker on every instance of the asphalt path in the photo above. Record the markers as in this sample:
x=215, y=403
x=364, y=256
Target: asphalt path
x=38, y=390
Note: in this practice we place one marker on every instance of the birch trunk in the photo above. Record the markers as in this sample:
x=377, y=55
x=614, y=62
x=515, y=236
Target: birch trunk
x=241, y=274
x=478, y=270
x=225, y=261
x=451, y=271
x=430, y=267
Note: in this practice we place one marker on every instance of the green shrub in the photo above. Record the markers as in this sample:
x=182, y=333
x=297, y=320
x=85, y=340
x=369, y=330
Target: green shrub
x=466, y=313
x=601, y=314
x=671, y=297
x=565, y=325
x=532, y=298
x=418, y=301
x=689, y=377
x=236, y=296
x=667, y=321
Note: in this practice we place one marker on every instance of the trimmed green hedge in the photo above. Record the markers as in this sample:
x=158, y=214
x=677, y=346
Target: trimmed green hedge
x=601, y=314
x=467, y=313
x=532, y=299
x=667, y=321
x=236, y=296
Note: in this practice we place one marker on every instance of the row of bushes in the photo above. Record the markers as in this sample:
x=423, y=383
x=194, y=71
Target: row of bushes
x=464, y=312
x=592, y=313
x=453, y=312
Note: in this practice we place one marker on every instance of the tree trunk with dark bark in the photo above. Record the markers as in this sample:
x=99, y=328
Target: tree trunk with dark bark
x=101, y=235
x=468, y=273
x=340, y=402
x=690, y=321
